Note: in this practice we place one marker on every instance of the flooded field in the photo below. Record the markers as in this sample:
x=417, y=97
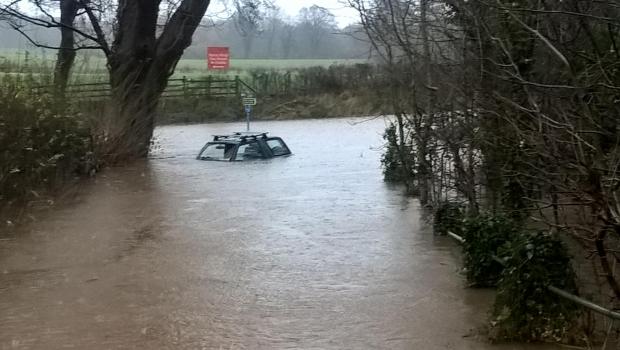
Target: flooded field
x=313, y=251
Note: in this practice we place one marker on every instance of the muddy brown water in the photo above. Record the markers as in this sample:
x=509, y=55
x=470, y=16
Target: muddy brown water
x=313, y=251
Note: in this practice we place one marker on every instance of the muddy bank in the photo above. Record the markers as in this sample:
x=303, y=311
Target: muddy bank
x=327, y=105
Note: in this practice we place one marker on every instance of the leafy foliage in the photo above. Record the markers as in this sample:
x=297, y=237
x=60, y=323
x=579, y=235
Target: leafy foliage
x=40, y=146
x=484, y=235
x=390, y=160
x=336, y=78
x=449, y=216
x=524, y=309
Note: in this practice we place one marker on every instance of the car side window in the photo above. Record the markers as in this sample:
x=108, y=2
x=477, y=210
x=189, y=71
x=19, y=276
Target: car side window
x=278, y=148
x=250, y=150
x=217, y=151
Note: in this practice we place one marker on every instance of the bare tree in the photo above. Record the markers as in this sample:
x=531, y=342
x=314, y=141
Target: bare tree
x=249, y=17
x=273, y=23
x=316, y=22
x=67, y=48
x=66, y=52
x=287, y=39
x=142, y=54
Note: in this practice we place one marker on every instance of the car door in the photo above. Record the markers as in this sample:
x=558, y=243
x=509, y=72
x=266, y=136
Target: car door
x=249, y=150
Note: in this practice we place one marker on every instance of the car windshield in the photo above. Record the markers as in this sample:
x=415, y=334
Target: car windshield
x=217, y=151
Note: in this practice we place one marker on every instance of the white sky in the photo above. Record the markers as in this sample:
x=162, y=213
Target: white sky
x=290, y=8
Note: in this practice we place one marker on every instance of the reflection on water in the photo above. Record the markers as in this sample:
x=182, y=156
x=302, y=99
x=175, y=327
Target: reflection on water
x=310, y=251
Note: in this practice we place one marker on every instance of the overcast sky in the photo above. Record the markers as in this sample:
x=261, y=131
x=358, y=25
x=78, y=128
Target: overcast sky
x=290, y=8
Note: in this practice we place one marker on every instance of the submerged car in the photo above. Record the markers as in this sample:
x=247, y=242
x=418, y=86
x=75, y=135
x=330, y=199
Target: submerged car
x=241, y=146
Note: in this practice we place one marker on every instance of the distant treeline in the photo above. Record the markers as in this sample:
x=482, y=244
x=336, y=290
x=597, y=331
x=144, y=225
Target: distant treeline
x=312, y=34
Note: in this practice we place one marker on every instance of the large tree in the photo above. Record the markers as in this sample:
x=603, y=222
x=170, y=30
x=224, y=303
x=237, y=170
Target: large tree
x=249, y=17
x=140, y=62
x=316, y=22
x=142, y=46
x=66, y=50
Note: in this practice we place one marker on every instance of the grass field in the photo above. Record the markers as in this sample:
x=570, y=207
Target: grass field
x=90, y=67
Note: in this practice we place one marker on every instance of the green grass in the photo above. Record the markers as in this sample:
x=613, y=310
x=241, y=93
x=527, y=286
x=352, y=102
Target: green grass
x=243, y=64
x=92, y=67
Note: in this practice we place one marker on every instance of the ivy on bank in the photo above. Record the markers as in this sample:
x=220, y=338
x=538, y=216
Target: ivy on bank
x=393, y=170
x=484, y=235
x=449, y=217
x=524, y=309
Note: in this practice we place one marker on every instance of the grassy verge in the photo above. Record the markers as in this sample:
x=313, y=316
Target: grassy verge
x=314, y=92
x=322, y=105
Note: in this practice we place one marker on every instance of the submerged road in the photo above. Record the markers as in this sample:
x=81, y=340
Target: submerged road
x=313, y=251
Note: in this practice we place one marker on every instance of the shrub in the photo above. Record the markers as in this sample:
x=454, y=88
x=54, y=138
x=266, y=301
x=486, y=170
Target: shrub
x=390, y=160
x=40, y=145
x=484, y=235
x=449, y=216
x=314, y=80
x=524, y=309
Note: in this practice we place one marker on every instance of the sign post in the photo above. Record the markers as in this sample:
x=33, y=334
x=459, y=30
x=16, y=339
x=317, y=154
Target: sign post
x=248, y=102
x=248, y=111
x=218, y=58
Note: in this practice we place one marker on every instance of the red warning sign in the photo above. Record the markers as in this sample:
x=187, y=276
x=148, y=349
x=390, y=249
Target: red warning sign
x=218, y=57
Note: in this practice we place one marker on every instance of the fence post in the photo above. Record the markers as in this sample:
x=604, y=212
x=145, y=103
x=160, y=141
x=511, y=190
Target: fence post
x=288, y=89
x=184, y=87
x=237, y=87
x=209, y=86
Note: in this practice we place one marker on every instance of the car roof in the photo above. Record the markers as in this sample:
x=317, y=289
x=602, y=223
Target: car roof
x=239, y=136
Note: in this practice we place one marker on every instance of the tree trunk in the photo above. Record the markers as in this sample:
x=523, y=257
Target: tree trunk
x=402, y=153
x=426, y=180
x=140, y=64
x=602, y=252
x=248, y=40
x=464, y=181
x=66, y=52
x=423, y=171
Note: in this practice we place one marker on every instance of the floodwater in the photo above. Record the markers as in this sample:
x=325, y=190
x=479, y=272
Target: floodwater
x=313, y=251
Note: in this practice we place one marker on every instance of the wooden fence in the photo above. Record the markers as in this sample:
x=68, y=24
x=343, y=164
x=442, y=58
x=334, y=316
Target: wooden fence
x=208, y=87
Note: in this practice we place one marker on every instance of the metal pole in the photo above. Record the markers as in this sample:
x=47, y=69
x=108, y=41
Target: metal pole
x=585, y=303
x=457, y=237
x=247, y=117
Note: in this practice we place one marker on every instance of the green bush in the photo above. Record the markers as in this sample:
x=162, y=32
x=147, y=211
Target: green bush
x=449, y=216
x=484, y=235
x=314, y=80
x=390, y=160
x=40, y=145
x=524, y=309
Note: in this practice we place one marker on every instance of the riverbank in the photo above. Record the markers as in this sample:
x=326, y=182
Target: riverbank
x=322, y=105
